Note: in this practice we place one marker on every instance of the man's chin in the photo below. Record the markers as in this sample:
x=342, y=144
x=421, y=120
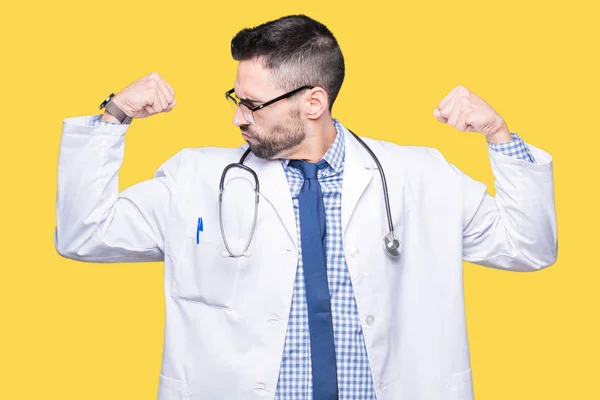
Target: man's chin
x=260, y=153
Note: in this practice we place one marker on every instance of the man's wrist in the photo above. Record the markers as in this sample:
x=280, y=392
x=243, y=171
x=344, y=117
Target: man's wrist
x=503, y=136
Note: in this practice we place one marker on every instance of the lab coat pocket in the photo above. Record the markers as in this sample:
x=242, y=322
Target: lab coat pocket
x=205, y=273
x=173, y=389
x=460, y=386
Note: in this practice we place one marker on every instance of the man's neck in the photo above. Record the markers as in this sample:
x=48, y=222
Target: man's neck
x=316, y=144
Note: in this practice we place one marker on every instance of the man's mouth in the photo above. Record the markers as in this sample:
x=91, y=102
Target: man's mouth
x=246, y=133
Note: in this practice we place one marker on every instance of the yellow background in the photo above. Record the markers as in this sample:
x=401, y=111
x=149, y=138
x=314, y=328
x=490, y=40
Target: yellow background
x=73, y=330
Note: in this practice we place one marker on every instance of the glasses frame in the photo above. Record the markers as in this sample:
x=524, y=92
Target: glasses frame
x=250, y=117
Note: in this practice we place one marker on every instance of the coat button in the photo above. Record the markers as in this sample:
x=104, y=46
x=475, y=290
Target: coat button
x=260, y=388
x=370, y=320
x=354, y=252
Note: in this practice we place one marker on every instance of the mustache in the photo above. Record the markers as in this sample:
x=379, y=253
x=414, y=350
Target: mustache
x=246, y=129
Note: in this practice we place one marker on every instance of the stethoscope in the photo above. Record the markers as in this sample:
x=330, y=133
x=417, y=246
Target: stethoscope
x=391, y=243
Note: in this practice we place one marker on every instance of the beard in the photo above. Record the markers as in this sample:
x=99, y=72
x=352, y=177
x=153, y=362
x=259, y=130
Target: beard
x=279, y=138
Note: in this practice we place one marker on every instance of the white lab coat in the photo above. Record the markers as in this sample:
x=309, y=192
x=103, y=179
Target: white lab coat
x=226, y=318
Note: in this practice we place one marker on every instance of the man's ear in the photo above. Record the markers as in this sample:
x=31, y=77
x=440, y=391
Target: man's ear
x=317, y=102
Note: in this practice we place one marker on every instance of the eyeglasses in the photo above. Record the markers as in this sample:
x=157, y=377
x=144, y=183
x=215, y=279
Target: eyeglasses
x=248, y=110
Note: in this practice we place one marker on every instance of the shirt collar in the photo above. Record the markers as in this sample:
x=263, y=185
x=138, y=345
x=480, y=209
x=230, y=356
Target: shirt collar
x=334, y=155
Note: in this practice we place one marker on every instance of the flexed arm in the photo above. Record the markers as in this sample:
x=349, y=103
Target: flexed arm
x=94, y=222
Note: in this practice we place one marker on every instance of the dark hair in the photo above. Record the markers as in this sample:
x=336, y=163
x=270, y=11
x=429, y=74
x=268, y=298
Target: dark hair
x=297, y=50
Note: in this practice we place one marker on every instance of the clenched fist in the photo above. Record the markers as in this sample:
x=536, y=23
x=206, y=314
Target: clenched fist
x=147, y=96
x=468, y=112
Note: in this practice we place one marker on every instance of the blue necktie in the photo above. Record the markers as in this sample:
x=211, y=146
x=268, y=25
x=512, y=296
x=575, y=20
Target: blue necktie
x=312, y=237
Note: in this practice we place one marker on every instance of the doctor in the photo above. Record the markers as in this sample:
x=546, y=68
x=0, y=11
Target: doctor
x=305, y=302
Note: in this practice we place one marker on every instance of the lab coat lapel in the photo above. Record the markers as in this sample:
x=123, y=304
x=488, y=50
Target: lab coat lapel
x=274, y=189
x=357, y=175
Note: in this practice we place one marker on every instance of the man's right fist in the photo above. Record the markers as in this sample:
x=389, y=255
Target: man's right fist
x=145, y=97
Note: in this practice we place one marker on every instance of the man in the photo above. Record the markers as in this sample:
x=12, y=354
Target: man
x=314, y=306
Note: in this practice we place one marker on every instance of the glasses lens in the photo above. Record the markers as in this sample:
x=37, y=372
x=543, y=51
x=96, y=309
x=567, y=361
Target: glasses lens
x=232, y=102
x=247, y=113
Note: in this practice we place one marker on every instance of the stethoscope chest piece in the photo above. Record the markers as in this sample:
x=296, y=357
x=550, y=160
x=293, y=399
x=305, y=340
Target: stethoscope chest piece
x=392, y=245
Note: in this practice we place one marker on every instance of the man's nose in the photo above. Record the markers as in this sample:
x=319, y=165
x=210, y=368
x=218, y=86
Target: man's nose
x=238, y=118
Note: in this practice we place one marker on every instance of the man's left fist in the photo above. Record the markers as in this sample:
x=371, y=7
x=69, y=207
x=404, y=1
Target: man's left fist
x=469, y=113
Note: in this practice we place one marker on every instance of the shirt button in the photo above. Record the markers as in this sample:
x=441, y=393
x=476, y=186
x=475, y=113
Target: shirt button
x=370, y=320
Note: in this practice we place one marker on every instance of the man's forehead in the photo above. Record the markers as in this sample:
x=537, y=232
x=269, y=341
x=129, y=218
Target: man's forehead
x=253, y=81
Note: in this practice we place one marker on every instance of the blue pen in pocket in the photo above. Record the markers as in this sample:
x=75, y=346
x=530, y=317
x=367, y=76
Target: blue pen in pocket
x=198, y=230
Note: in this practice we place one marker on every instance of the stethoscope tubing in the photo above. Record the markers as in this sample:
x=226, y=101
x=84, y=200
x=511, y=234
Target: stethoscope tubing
x=392, y=249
